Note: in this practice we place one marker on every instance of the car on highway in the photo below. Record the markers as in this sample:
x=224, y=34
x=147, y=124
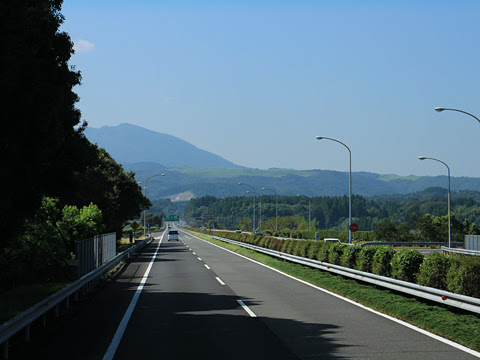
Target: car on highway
x=331, y=240
x=257, y=233
x=172, y=235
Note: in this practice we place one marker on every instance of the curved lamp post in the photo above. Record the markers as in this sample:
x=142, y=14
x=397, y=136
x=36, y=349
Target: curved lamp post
x=449, y=223
x=276, y=207
x=349, y=186
x=254, y=195
x=440, y=109
x=144, y=211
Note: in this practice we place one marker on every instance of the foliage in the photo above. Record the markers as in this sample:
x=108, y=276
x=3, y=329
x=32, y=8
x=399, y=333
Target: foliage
x=349, y=257
x=381, y=264
x=43, y=145
x=324, y=252
x=48, y=243
x=335, y=253
x=365, y=258
x=433, y=271
x=406, y=264
x=464, y=276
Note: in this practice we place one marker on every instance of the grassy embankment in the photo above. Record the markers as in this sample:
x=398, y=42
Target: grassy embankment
x=450, y=323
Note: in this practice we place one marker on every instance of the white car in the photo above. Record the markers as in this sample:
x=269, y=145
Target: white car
x=331, y=240
x=173, y=235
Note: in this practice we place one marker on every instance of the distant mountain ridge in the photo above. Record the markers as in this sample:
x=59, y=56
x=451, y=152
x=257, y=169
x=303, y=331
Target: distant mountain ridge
x=192, y=172
x=129, y=143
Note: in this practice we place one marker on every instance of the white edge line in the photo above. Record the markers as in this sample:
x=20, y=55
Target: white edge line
x=220, y=281
x=410, y=326
x=247, y=309
x=112, y=348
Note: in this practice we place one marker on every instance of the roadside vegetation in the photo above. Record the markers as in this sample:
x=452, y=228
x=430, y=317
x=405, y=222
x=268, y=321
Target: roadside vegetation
x=450, y=323
x=417, y=217
x=59, y=187
x=457, y=274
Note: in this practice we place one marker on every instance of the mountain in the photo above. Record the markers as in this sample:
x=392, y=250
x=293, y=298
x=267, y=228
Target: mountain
x=192, y=172
x=185, y=183
x=129, y=143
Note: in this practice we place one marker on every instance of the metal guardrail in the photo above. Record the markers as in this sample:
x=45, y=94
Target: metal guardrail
x=447, y=250
x=23, y=320
x=440, y=296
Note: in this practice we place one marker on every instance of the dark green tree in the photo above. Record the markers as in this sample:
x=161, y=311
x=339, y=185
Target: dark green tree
x=42, y=134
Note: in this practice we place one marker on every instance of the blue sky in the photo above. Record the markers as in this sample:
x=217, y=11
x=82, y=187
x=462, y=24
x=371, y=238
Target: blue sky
x=256, y=81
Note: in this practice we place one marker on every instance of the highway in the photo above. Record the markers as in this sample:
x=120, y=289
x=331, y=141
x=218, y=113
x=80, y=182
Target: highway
x=191, y=299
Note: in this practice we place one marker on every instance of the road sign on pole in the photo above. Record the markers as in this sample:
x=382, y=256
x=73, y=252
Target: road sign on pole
x=353, y=227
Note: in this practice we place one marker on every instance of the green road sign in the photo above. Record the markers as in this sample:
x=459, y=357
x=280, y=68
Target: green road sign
x=172, y=218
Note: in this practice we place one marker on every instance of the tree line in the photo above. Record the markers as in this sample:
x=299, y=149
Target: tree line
x=59, y=187
x=392, y=219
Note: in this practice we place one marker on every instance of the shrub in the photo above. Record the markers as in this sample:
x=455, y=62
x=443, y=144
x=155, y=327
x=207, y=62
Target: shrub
x=300, y=248
x=322, y=254
x=349, y=257
x=406, y=264
x=365, y=258
x=313, y=249
x=381, y=264
x=286, y=245
x=464, y=276
x=335, y=253
x=433, y=271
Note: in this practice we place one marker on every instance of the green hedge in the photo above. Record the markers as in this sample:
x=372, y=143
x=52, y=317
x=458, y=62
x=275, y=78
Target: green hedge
x=460, y=274
x=406, y=264
x=382, y=261
x=433, y=271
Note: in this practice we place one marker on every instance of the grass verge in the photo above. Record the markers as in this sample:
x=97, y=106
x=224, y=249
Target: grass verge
x=15, y=301
x=450, y=323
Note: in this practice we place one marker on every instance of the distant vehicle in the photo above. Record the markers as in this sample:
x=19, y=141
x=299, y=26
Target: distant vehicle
x=258, y=233
x=331, y=240
x=238, y=231
x=173, y=235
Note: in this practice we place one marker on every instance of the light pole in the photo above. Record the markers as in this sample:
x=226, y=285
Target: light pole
x=449, y=222
x=145, y=211
x=254, y=195
x=349, y=186
x=440, y=109
x=276, y=207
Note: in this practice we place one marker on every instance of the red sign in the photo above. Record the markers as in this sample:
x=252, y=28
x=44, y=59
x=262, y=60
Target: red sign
x=353, y=227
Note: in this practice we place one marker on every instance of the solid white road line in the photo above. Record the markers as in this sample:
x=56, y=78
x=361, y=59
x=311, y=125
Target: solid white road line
x=246, y=308
x=220, y=281
x=123, y=324
x=410, y=326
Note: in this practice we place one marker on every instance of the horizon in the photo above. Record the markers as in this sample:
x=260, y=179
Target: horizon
x=272, y=168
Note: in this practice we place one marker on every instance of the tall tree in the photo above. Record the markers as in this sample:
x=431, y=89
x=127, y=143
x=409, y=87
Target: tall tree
x=41, y=134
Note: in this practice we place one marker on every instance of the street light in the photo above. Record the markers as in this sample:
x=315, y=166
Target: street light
x=276, y=207
x=349, y=186
x=254, y=195
x=449, y=223
x=145, y=210
x=440, y=109
x=309, y=213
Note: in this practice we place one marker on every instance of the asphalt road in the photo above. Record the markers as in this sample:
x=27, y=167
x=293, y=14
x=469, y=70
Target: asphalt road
x=189, y=308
